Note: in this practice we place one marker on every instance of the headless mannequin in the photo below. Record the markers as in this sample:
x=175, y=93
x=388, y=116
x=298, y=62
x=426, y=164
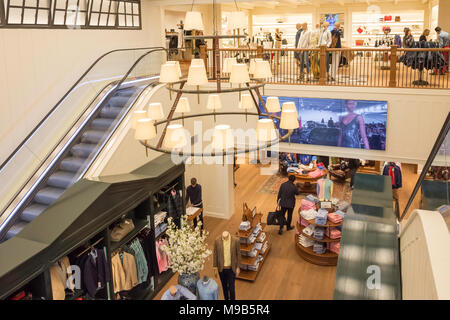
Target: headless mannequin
x=225, y=236
x=205, y=279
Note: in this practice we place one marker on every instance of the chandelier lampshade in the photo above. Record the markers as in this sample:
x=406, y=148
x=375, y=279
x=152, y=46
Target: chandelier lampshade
x=265, y=130
x=197, y=76
x=237, y=20
x=137, y=115
x=228, y=63
x=175, y=137
x=183, y=106
x=239, y=74
x=246, y=102
x=289, y=120
x=145, y=130
x=223, y=138
x=214, y=102
x=177, y=63
x=169, y=73
x=273, y=104
x=253, y=65
x=193, y=21
x=198, y=62
x=155, y=111
x=289, y=106
x=262, y=70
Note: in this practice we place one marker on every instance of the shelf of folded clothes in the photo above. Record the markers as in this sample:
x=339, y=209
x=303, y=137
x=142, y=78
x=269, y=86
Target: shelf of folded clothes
x=325, y=238
x=310, y=249
x=250, y=275
x=246, y=233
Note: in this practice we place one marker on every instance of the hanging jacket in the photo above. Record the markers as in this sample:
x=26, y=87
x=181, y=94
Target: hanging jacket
x=396, y=175
x=175, y=206
x=124, y=272
x=423, y=60
x=96, y=271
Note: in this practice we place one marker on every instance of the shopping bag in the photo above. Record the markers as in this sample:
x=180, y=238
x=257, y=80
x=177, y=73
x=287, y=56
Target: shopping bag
x=273, y=218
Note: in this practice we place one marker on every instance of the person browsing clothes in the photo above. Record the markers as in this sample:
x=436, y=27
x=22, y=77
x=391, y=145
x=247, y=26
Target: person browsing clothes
x=286, y=200
x=194, y=194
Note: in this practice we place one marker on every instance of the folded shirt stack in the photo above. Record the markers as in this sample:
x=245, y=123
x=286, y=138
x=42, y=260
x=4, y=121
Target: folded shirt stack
x=262, y=237
x=265, y=246
x=343, y=206
x=306, y=205
x=341, y=213
x=191, y=211
x=309, y=230
x=160, y=217
x=245, y=225
x=312, y=198
x=303, y=222
x=308, y=214
x=257, y=229
x=316, y=173
x=251, y=239
x=160, y=228
x=254, y=267
x=319, y=233
x=260, y=258
x=334, y=217
x=253, y=253
x=244, y=267
x=333, y=233
x=292, y=170
x=305, y=242
x=258, y=246
x=321, y=217
x=319, y=248
x=334, y=201
x=334, y=247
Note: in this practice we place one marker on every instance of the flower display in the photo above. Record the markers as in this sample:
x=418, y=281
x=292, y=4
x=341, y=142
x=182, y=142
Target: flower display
x=187, y=249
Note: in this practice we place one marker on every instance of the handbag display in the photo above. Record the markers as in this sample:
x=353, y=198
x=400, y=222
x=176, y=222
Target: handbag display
x=397, y=18
x=387, y=18
x=121, y=230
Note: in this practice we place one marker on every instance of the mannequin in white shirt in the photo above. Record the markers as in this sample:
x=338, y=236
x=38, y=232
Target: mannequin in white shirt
x=325, y=40
x=303, y=43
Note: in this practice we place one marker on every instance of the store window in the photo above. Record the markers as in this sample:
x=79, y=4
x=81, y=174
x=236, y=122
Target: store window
x=71, y=14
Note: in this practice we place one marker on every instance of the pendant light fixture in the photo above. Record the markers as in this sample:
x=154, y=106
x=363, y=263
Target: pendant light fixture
x=145, y=130
x=169, y=74
x=289, y=106
x=239, y=75
x=155, y=111
x=265, y=130
x=246, y=103
x=273, y=104
x=183, y=107
x=289, y=121
x=137, y=115
x=193, y=21
x=197, y=77
x=175, y=137
x=214, y=103
x=262, y=71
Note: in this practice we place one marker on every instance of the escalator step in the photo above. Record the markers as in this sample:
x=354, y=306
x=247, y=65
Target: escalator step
x=93, y=136
x=32, y=212
x=72, y=164
x=83, y=150
x=61, y=179
x=15, y=229
x=48, y=195
x=102, y=123
x=118, y=101
x=128, y=92
x=110, y=112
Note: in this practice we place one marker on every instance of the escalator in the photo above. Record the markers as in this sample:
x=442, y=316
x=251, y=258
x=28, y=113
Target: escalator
x=81, y=143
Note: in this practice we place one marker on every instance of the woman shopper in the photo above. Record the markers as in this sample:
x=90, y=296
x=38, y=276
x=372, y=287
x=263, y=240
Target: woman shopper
x=278, y=41
x=408, y=39
x=424, y=36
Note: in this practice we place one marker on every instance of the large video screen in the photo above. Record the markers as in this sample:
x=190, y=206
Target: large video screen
x=359, y=124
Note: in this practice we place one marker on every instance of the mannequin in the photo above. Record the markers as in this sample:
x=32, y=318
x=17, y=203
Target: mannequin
x=207, y=289
x=178, y=293
x=226, y=262
x=325, y=188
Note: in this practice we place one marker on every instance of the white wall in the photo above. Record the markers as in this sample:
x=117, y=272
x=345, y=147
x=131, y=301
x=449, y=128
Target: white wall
x=38, y=66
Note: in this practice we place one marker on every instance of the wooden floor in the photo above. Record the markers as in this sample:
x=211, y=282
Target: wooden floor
x=284, y=275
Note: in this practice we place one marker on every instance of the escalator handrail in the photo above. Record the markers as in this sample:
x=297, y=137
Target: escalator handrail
x=8, y=221
x=32, y=132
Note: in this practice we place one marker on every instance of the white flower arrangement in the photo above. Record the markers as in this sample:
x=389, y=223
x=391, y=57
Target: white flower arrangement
x=187, y=249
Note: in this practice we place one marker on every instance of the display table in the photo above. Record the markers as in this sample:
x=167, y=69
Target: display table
x=195, y=215
x=328, y=258
x=307, y=184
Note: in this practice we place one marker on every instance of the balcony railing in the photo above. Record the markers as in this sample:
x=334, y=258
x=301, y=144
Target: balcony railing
x=361, y=67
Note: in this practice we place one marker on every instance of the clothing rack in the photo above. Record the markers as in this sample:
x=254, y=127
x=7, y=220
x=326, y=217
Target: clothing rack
x=90, y=247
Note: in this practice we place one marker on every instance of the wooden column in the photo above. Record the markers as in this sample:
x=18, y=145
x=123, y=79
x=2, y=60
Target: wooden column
x=259, y=51
x=204, y=56
x=393, y=70
x=323, y=65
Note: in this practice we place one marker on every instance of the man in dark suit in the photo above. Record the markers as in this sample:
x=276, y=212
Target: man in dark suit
x=286, y=199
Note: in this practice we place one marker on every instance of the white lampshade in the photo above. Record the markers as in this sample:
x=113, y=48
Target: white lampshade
x=289, y=106
x=246, y=102
x=253, y=65
x=137, y=115
x=273, y=104
x=214, y=102
x=197, y=76
x=175, y=137
x=239, y=73
x=262, y=70
x=145, y=130
x=223, y=137
x=183, y=106
x=289, y=120
x=177, y=63
x=265, y=130
x=237, y=20
x=169, y=73
x=228, y=63
x=155, y=111
x=193, y=21
x=198, y=62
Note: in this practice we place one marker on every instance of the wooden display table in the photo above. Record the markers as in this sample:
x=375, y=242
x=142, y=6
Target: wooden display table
x=250, y=275
x=328, y=258
x=195, y=215
x=307, y=184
